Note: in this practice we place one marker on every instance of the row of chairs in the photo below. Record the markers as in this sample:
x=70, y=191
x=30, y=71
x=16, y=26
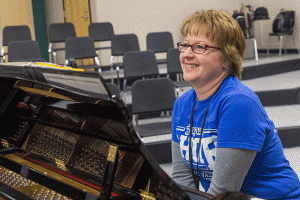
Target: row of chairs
x=158, y=42
x=137, y=64
x=59, y=32
x=102, y=32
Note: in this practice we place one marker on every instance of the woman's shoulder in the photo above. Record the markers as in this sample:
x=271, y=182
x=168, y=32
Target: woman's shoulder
x=234, y=88
x=234, y=93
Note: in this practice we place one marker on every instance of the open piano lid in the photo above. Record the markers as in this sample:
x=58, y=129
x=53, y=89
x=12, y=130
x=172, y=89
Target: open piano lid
x=63, y=122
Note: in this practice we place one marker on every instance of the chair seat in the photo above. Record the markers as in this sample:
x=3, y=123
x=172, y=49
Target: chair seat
x=119, y=64
x=58, y=49
x=278, y=34
x=31, y=60
x=181, y=84
x=152, y=129
x=102, y=48
x=161, y=61
x=89, y=67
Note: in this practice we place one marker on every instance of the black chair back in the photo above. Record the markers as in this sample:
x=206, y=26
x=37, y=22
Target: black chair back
x=102, y=31
x=27, y=50
x=173, y=62
x=152, y=95
x=80, y=48
x=159, y=41
x=140, y=64
x=16, y=33
x=123, y=43
x=59, y=32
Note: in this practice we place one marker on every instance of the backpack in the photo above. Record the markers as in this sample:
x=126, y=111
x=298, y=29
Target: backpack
x=284, y=22
x=261, y=13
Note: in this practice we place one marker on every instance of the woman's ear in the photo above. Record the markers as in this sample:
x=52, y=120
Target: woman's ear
x=226, y=65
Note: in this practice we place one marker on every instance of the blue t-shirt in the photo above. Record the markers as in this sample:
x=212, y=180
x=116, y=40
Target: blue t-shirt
x=236, y=119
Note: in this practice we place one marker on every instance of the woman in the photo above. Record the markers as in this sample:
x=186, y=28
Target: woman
x=239, y=149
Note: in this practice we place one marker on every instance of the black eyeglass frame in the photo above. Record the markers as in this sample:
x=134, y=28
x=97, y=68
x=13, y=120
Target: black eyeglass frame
x=192, y=47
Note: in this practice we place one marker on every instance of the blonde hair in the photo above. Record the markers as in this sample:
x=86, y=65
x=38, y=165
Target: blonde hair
x=223, y=30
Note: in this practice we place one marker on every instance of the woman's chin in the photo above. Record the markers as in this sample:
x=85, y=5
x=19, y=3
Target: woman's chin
x=188, y=78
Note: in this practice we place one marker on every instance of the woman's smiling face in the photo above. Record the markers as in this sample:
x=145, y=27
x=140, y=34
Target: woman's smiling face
x=201, y=69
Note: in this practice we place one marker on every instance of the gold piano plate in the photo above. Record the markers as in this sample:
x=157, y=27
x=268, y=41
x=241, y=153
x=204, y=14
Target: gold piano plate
x=52, y=174
x=28, y=187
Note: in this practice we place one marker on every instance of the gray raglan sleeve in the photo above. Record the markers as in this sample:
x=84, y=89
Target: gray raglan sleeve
x=231, y=167
x=181, y=171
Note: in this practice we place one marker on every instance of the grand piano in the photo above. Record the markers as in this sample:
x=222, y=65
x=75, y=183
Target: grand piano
x=65, y=136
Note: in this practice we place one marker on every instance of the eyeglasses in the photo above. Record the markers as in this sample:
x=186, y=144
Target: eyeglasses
x=196, y=48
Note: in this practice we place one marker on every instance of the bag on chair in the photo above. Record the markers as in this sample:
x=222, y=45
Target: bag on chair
x=261, y=13
x=284, y=22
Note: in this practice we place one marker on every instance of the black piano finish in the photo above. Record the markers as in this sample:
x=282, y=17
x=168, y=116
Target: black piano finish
x=63, y=122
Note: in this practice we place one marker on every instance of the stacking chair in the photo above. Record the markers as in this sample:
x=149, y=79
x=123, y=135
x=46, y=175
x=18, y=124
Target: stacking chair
x=27, y=50
x=121, y=44
x=80, y=48
x=159, y=42
x=14, y=33
x=57, y=34
x=151, y=96
x=174, y=68
x=101, y=32
x=251, y=44
x=139, y=65
x=283, y=34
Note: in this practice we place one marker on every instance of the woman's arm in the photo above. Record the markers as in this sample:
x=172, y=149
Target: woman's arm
x=181, y=171
x=231, y=167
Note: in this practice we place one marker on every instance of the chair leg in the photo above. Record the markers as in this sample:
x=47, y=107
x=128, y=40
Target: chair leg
x=255, y=50
x=111, y=69
x=280, y=44
x=118, y=76
x=50, y=52
x=97, y=52
x=177, y=92
x=295, y=43
x=3, y=54
x=268, y=49
x=54, y=57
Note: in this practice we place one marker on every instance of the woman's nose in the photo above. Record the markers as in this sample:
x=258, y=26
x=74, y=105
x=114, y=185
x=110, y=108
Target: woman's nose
x=188, y=53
